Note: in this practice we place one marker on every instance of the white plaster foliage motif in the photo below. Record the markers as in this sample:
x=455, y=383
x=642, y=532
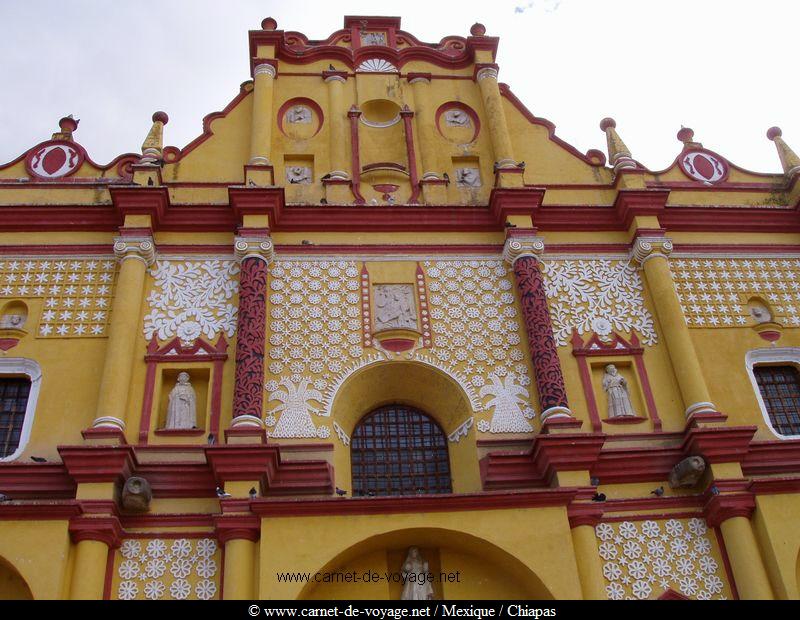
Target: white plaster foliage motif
x=461, y=431
x=180, y=569
x=643, y=559
x=295, y=409
x=192, y=298
x=314, y=335
x=477, y=336
x=596, y=295
x=714, y=292
x=376, y=65
x=343, y=437
x=77, y=292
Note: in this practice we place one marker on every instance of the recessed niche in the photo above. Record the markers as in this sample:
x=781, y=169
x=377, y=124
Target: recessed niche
x=380, y=113
x=14, y=315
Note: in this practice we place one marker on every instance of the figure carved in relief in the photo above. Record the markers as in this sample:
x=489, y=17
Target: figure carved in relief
x=456, y=118
x=468, y=177
x=298, y=174
x=373, y=38
x=619, y=401
x=394, y=307
x=417, y=585
x=298, y=114
x=182, y=408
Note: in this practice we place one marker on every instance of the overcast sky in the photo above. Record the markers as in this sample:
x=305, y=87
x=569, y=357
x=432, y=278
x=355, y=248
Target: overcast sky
x=726, y=69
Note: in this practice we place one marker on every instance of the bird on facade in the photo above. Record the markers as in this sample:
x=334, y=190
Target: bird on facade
x=658, y=492
x=253, y=493
x=252, y=183
x=306, y=242
x=521, y=164
x=211, y=439
x=222, y=494
x=331, y=68
x=340, y=492
x=594, y=481
x=4, y=498
x=714, y=490
x=599, y=497
x=38, y=459
x=150, y=182
x=446, y=178
x=323, y=201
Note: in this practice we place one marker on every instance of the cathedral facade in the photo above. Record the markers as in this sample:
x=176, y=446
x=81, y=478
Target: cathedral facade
x=378, y=332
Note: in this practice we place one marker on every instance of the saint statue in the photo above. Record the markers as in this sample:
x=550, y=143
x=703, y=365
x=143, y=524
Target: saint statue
x=182, y=408
x=416, y=586
x=619, y=401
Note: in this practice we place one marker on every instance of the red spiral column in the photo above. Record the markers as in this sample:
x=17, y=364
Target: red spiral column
x=254, y=254
x=522, y=253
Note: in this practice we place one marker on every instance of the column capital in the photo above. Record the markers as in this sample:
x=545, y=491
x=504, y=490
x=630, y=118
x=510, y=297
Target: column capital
x=140, y=248
x=265, y=67
x=334, y=76
x=260, y=247
x=486, y=70
x=106, y=530
x=584, y=514
x=723, y=507
x=518, y=246
x=237, y=527
x=645, y=248
x=419, y=78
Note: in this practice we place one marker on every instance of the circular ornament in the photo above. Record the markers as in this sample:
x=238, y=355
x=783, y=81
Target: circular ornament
x=54, y=160
x=703, y=166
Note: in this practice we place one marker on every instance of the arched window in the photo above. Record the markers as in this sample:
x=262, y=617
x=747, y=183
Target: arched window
x=776, y=381
x=399, y=450
x=20, y=380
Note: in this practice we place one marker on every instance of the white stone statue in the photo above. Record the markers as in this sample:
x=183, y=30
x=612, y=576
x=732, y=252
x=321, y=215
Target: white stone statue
x=416, y=585
x=468, y=177
x=456, y=118
x=182, y=408
x=619, y=401
x=394, y=307
x=298, y=114
x=298, y=174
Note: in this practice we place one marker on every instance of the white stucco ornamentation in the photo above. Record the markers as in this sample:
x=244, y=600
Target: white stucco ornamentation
x=714, y=292
x=376, y=65
x=190, y=299
x=76, y=292
x=643, y=559
x=295, y=410
x=596, y=295
x=179, y=569
x=510, y=405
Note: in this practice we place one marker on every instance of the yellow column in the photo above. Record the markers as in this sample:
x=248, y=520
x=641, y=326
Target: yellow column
x=587, y=557
x=339, y=125
x=135, y=254
x=498, y=128
x=261, y=132
x=89, y=571
x=240, y=564
x=425, y=123
x=748, y=568
x=651, y=253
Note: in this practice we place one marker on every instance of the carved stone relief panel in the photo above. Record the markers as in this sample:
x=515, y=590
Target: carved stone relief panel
x=468, y=177
x=394, y=307
x=298, y=175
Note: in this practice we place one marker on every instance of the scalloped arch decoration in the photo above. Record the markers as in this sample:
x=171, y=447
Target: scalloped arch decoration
x=376, y=65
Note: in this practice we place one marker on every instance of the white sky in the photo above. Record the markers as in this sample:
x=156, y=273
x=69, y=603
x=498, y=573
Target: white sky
x=723, y=68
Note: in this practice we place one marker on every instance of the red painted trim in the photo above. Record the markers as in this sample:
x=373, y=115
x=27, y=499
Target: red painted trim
x=720, y=508
x=177, y=432
x=207, y=120
x=424, y=310
x=109, y=577
x=38, y=510
x=584, y=514
x=135, y=522
x=772, y=457
x=98, y=463
x=80, y=155
x=168, y=534
x=237, y=527
x=147, y=400
x=719, y=444
x=415, y=504
x=152, y=201
x=301, y=101
x=726, y=562
x=366, y=316
x=670, y=595
x=355, y=155
x=411, y=155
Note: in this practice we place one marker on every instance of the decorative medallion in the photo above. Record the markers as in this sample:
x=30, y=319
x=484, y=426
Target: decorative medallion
x=54, y=160
x=457, y=122
x=703, y=166
x=376, y=65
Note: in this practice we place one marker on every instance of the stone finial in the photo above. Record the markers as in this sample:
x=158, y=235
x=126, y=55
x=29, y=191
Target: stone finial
x=477, y=30
x=789, y=159
x=154, y=142
x=686, y=135
x=67, y=126
x=619, y=156
x=269, y=23
x=519, y=246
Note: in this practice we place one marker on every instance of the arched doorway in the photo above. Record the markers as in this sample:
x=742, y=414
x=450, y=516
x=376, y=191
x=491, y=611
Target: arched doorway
x=12, y=585
x=399, y=450
x=465, y=567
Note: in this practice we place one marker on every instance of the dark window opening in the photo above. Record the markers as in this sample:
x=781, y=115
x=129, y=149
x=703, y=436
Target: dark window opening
x=13, y=403
x=399, y=450
x=780, y=390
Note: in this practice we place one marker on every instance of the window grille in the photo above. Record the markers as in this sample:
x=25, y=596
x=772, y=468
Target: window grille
x=780, y=390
